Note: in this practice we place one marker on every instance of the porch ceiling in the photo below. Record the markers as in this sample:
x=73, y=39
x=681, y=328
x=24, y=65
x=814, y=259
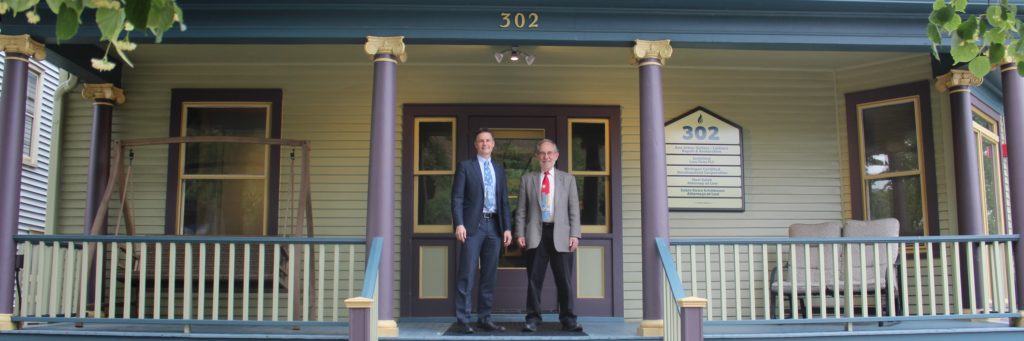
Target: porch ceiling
x=547, y=56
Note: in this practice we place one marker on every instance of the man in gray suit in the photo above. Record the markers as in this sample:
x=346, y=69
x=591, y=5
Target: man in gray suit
x=548, y=226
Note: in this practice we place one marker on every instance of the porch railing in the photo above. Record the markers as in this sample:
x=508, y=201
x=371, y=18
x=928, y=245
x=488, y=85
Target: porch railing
x=846, y=280
x=187, y=279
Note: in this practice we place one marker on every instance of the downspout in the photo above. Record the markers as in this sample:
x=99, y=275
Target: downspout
x=67, y=81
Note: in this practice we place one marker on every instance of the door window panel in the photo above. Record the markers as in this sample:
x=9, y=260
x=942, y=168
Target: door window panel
x=588, y=152
x=989, y=160
x=434, y=155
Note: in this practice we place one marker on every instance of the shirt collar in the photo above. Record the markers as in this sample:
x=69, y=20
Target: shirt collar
x=481, y=159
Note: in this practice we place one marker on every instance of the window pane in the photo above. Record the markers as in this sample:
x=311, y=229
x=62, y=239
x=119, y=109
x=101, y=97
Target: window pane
x=588, y=146
x=593, y=199
x=983, y=122
x=433, y=200
x=990, y=163
x=899, y=198
x=890, y=139
x=223, y=207
x=225, y=158
x=516, y=150
x=435, y=146
x=30, y=111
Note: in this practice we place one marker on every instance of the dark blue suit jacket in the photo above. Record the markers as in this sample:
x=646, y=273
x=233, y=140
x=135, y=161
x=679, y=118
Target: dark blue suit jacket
x=468, y=196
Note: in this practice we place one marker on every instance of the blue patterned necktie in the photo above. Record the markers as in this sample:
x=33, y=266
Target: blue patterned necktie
x=488, y=187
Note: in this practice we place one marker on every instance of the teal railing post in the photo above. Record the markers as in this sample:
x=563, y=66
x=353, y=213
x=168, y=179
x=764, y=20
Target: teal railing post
x=362, y=324
x=691, y=309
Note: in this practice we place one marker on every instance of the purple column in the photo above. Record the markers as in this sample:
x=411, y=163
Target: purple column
x=12, y=133
x=653, y=183
x=99, y=160
x=380, y=210
x=965, y=161
x=1013, y=117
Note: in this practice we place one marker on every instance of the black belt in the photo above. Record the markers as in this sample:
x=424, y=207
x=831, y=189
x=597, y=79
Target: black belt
x=547, y=225
x=488, y=215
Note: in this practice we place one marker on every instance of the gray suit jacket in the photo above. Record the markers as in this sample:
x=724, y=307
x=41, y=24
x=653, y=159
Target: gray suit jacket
x=566, y=206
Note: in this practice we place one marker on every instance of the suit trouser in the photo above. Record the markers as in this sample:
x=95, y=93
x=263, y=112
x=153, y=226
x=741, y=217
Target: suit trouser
x=483, y=245
x=561, y=266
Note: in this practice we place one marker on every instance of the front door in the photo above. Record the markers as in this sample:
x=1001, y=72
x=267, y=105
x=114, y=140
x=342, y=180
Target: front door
x=436, y=137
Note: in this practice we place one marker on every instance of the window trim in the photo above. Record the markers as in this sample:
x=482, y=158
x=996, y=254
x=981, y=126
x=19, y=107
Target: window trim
x=606, y=173
x=855, y=101
x=987, y=113
x=32, y=159
x=181, y=99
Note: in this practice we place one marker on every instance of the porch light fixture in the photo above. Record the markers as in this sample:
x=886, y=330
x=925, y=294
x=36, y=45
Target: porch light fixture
x=513, y=55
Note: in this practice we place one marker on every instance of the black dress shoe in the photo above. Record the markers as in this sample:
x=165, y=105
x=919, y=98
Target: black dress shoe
x=464, y=328
x=572, y=327
x=489, y=326
x=530, y=327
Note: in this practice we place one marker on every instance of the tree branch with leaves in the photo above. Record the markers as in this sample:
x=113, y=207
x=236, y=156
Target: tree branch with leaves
x=982, y=40
x=116, y=19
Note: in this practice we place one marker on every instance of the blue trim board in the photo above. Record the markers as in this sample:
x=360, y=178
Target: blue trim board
x=177, y=322
x=843, y=240
x=187, y=239
x=372, y=267
x=863, y=319
x=678, y=291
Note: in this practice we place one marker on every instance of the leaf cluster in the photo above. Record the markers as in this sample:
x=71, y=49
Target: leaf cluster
x=978, y=40
x=116, y=20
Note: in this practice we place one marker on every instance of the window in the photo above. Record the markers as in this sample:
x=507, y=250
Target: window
x=986, y=135
x=891, y=164
x=434, y=162
x=225, y=188
x=33, y=112
x=589, y=163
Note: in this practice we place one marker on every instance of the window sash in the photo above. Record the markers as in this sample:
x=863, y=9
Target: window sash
x=33, y=113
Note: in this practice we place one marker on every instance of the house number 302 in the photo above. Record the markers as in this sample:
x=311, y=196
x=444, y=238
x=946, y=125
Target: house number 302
x=519, y=20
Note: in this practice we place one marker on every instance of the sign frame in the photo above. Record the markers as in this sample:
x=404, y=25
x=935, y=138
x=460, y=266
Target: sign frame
x=742, y=181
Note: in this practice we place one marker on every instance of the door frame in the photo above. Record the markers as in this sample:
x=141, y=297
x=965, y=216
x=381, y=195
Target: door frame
x=462, y=113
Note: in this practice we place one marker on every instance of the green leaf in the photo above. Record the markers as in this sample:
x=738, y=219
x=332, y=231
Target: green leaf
x=77, y=5
x=161, y=17
x=944, y=15
x=959, y=5
x=968, y=30
x=181, y=16
x=54, y=5
x=1020, y=68
x=938, y=4
x=67, y=23
x=979, y=66
x=935, y=52
x=963, y=51
x=952, y=24
x=995, y=36
x=111, y=22
x=996, y=52
x=123, y=56
x=933, y=34
x=994, y=15
x=137, y=12
x=22, y=5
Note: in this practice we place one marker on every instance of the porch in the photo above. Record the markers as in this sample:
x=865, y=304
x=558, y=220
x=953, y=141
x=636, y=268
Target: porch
x=596, y=329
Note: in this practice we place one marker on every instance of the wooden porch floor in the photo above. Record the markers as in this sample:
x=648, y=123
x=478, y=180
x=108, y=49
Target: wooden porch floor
x=596, y=329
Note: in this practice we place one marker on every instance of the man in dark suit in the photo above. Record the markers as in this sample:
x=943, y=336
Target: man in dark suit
x=548, y=227
x=482, y=222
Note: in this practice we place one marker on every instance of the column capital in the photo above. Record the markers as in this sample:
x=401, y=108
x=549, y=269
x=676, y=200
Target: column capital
x=23, y=44
x=392, y=45
x=659, y=49
x=103, y=91
x=956, y=78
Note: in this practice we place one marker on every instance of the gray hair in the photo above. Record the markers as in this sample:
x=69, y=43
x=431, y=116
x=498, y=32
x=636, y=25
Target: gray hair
x=543, y=141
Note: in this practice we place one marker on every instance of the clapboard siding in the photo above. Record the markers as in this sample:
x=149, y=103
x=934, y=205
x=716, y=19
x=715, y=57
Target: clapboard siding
x=792, y=130
x=893, y=72
x=34, y=178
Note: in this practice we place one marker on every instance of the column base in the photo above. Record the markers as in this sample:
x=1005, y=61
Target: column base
x=1017, y=321
x=651, y=328
x=387, y=328
x=7, y=324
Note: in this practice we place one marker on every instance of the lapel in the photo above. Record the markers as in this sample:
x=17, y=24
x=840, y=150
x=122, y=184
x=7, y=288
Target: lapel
x=474, y=171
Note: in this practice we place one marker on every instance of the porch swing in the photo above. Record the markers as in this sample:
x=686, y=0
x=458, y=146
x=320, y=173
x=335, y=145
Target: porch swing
x=120, y=176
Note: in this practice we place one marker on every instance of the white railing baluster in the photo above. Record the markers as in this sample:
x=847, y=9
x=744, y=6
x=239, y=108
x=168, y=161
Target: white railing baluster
x=945, y=277
x=261, y=280
x=766, y=284
x=157, y=280
x=793, y=298
x=823, y=310
x=292, y=259
x=917, y=279
x=1010, y=273
x=707, y=282
x=215, y=313
x=231, y=280
x=337, y=278
x=986, y=280
x=957, y=282
x=143, y=267
x=321, y=256
x=890, y=283
x=999, y=281
x=56, y=280
x=186, y=302
x=970, y=278
x=721, y=282
x=83, y=282
x=849, y=280
x=878, y=279
x=275, y=295
x=863, y=250
x=112, y=292
x=27, y=273
x=201, y=297
x=69, y=279
x=97, y=297
x=736, y=281
x=306, y=272
x=129, y=253
x=808, y=300
x=931, y=278
x=247, y=270
x=781, y=303
x=835, y=279
x=750, y=277
x=172, y=260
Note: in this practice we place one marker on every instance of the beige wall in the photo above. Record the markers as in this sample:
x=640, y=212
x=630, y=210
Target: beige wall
x=791, y=113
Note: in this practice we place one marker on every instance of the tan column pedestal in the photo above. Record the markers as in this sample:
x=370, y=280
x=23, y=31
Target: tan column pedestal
x=7, y=324
x=387, y=328
x=651, y=328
